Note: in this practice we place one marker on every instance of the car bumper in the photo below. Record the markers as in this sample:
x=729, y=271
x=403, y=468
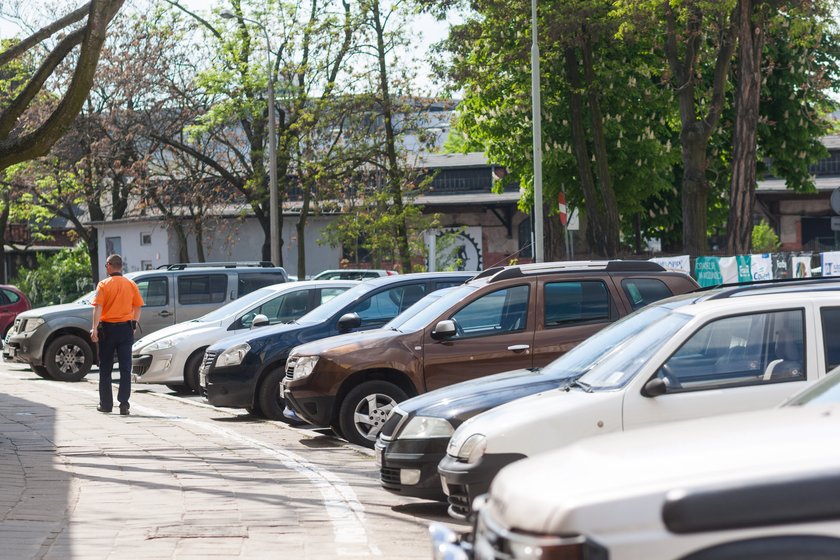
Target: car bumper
x=24, y=348
x=316, y=410
x=464, y=482
x=229, y=387
x=410, y=467
x=156, y=368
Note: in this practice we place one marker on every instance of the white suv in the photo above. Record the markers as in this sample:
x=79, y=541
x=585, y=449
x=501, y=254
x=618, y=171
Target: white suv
x=753, y=486
x=719, y=352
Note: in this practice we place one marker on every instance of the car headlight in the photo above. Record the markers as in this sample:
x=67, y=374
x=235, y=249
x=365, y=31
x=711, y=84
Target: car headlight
x=234, y=355
x=163, y=343
x=30, y=325
x=304, y=366
x=471, y=450
x=422, y=427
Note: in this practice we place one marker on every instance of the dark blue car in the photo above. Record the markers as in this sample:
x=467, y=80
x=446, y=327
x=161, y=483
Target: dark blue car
x=245, y=371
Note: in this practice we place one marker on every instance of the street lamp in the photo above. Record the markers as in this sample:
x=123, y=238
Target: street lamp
x=536, y=113
x=274, y=217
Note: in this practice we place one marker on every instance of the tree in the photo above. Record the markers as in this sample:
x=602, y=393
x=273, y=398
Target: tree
x=17, y=144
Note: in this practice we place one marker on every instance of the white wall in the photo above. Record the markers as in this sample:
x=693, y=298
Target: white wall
x=135, y=255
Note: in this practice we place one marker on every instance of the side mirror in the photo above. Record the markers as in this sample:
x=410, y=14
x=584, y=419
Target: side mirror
x=655, y=387
x=348, y=322
x=259, y=321
x=444, y=329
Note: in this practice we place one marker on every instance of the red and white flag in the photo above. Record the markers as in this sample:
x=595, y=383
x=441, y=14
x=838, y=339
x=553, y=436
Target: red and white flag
x=561, y=205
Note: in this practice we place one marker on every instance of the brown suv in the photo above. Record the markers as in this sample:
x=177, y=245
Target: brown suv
x=505, y=318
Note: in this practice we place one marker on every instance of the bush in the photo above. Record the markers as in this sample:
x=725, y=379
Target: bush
x=764, y=239
x=58, y=278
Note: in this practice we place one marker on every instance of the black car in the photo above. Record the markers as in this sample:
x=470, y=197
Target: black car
x=245, y=371
x=414, y=438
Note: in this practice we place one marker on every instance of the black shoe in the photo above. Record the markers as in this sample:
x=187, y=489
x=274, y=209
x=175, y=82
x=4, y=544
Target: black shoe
x=101, y=408
x=124, y=410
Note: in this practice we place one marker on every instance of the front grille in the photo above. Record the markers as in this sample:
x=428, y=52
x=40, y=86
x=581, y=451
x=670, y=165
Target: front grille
x=459, y=501
x=139, y=370
x=391, y=424
x=290, y=367
x=389, y=476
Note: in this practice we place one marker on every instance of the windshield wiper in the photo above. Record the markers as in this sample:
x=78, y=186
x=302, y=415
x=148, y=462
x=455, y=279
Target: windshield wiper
x=578, y=383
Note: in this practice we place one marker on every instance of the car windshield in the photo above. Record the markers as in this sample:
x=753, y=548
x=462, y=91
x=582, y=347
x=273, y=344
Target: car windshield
x=336, y=304
x=598, y=347
x=86, y=299
x=409, y=314
x=237, y=305
x=420, y=319
x=618, y=367
x=825, y=391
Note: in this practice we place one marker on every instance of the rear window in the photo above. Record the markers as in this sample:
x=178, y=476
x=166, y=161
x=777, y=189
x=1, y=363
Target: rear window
x=10, y=296
x=642, y=291
x=205, y=288
x=567, y=303
x=251, y=281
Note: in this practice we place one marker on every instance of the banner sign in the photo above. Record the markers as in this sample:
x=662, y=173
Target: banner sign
x=681, y=263
x=761, y=267
x=830, y=263
x=800, y=267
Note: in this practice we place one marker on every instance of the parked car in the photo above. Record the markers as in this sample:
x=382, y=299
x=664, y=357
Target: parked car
x=12, y=302
x=353, y=274
x=55, y=340
x=729, y=350
x=172, y=355
x=753, y=486
x=245, y=371
x=518, y=316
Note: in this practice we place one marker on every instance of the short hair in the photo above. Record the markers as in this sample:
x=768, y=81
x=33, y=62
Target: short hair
x=114, y=260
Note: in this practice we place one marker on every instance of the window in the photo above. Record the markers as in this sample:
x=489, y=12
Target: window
x=206, y=288
x=154, y=291
x=328, y=293
x=250, y=281
x=113, y=246
x=642, y=291
x=10, y=296
x=498, y=312
x=384, y=306
x=568, y=303
x=145, y=238
x=145, y=265
x=281, y=309
x=740, y=350
x=830, y=328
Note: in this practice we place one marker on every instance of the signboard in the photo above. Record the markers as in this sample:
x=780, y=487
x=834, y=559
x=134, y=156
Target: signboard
x=835, y=201
x=561, y=206
x=835, y=223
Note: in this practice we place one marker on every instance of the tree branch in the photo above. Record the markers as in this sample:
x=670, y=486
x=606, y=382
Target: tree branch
x=47, y=31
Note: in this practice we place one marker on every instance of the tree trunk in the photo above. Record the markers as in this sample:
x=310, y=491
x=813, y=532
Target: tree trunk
x=4, y=222
x=199, y=238
x=555, y=240
x=695, y=191
x=301, y=230
x=742, y=189
x=597, y=233
x=599, y=142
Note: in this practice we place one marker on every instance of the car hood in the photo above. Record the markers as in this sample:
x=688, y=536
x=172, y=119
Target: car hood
x=65, y=309
x=191, y=327
x=591, y=485
x=544, y=421
x=349, y=342
x=468, y=398
x=259, y=335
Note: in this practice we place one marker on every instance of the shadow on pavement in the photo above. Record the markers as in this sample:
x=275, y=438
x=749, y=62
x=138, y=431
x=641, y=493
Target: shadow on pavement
x=34, y=495
x=430, y=511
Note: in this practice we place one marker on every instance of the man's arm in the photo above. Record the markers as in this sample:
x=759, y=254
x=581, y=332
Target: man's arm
x=136, y=316
x=97, y=316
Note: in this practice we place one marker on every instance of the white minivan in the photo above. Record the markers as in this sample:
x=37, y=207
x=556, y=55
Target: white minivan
x=718, y=352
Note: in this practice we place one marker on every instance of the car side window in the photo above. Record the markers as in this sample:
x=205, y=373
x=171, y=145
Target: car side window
x=205, y=288
x=248, y=282
x=498, y=312
x=831, y=342
x=568, y=303
x=642, y=291
x=4, y=297
x=380, y=307
x=154, y=291
x=281, y=309
x=326, y=294
x=10, y=297
x=740, y=350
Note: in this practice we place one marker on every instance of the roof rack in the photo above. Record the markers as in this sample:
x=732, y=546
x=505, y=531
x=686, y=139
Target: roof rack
x=182, y=266
x=518, y=271
x=734, y=289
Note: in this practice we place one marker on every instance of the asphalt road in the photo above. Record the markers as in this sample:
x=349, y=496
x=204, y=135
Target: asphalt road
x=181, y=479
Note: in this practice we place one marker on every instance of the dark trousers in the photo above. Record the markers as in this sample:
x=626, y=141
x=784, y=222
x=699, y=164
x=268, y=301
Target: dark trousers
x=115, y=337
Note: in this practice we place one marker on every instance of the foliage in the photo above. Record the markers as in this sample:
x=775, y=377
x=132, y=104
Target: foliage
x=764, y=239
x=59, y=278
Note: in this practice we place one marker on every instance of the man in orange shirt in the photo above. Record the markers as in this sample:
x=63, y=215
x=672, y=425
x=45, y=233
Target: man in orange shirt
x=117, y=305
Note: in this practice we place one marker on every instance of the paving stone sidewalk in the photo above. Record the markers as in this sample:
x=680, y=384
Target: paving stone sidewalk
x=175, y=480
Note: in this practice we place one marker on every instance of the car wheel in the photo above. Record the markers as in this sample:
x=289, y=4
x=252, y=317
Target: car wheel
x=268, y=397
x=191, y=371
x=253, y=411
x=365, y=408
x=41, y=371
x=68, y=358
x=180, y=389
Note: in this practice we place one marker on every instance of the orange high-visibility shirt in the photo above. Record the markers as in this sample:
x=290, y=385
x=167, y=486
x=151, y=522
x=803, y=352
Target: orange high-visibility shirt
x=118, y=297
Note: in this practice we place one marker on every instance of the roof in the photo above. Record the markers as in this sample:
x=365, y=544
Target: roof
x=440, y=161
x=778, y=185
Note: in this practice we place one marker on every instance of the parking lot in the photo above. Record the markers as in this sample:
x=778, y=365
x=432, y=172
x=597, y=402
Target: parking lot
x=180, y=479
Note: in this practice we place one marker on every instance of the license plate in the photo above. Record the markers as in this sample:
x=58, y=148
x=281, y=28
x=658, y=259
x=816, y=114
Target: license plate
x=445, y=486
x=202, y=377
x=378, y=453
x=10, y=351
x=283, y=390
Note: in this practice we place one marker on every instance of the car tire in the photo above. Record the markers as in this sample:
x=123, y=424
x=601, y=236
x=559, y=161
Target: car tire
x=268, y=395
x=180, y=389
x=191, y=371
x=365, y=408
x=41, y=371
x=68, y=358
x=254, y=411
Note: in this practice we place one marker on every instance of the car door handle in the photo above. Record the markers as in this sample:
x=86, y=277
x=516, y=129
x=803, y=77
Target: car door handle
x=518, y=347
x=164, y=313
